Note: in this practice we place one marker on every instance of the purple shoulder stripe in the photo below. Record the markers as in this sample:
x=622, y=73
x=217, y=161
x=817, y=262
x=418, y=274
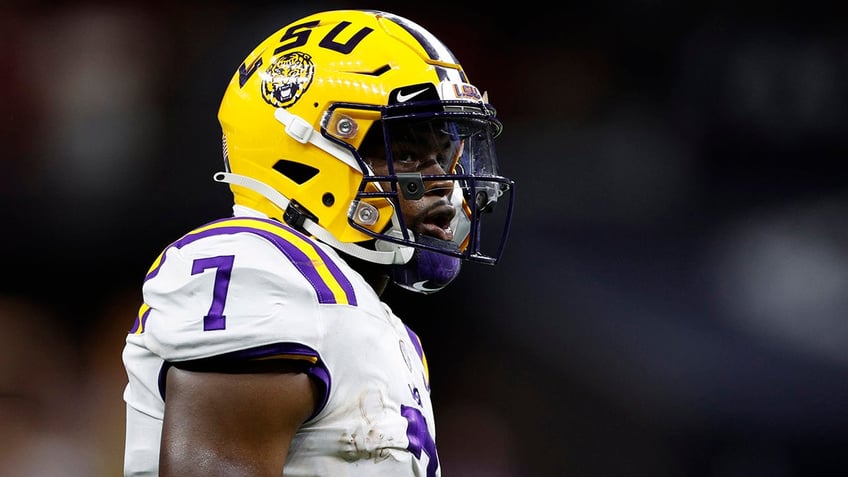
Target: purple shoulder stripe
x=416, y=342
x=290, y=242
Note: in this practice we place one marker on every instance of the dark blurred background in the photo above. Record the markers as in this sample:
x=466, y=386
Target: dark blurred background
x=674, y=296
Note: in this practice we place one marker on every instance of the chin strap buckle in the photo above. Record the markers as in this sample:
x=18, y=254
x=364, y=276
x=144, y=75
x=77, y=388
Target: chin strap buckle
x=295, y=215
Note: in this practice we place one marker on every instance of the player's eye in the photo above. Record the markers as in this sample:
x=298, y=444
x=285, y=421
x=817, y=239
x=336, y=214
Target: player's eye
x=406, y=161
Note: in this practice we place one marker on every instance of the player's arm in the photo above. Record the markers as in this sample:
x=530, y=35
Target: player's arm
x=233, y=424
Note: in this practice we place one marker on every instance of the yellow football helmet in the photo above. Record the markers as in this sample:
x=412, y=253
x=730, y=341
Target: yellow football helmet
x=300, y=108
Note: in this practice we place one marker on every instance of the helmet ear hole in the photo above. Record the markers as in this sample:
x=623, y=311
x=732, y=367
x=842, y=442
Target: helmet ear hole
x=296, y=171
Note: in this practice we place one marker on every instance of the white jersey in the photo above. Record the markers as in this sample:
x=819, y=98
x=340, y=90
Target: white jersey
x=249, y=287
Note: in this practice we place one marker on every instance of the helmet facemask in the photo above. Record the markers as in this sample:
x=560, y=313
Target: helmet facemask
x=435, y=163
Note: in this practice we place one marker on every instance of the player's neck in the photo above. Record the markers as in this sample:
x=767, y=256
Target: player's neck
x=374, y=274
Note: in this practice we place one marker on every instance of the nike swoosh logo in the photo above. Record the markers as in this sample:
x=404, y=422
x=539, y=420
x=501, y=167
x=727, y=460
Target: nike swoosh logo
x=402, y=98
x=420, y=286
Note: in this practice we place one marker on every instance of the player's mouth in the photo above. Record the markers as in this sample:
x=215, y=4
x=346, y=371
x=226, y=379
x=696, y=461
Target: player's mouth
x=436, y=222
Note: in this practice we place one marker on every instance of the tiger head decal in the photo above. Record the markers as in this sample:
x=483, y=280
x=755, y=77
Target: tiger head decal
x=287, y=78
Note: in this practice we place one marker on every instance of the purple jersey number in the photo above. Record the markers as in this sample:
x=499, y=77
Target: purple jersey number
x=419, y=438
x=215, y=319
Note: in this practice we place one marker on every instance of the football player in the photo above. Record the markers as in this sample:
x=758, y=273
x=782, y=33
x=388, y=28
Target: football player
x=358, y=155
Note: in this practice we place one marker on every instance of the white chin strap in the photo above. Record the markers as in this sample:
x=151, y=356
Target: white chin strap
x=389, y=254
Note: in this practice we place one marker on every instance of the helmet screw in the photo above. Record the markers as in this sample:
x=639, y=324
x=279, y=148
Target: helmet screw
x=346, y=127
x=365, y=215
x=328, y=199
